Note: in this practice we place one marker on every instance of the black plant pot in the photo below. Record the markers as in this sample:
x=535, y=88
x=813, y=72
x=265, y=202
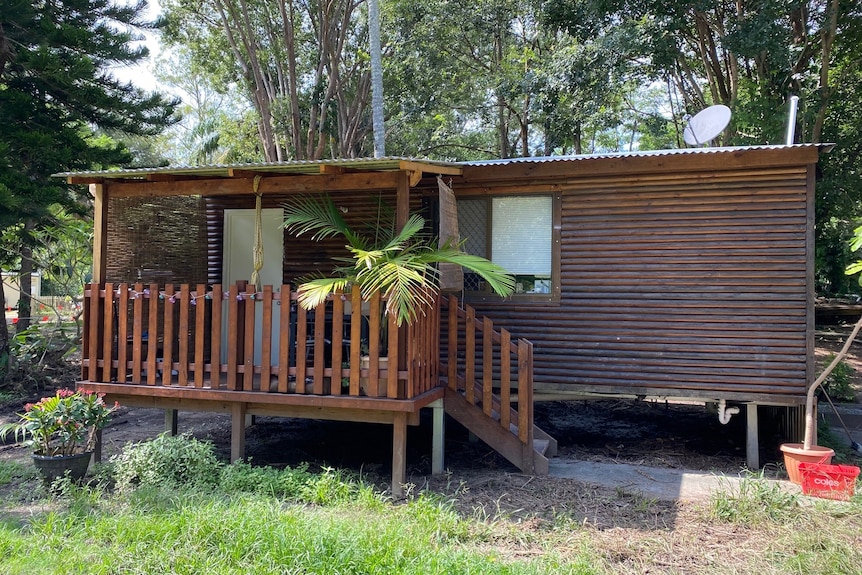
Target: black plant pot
x=52, y=467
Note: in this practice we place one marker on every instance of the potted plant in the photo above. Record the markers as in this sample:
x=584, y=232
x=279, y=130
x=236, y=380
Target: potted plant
x=807, y=452
x=62, y=431
x=401, y=265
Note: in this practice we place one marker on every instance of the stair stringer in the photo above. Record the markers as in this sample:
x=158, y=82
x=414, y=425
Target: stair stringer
x=524, y=456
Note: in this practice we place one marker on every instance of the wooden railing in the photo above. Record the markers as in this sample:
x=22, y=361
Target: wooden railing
x=247, y=340
x=489, y=369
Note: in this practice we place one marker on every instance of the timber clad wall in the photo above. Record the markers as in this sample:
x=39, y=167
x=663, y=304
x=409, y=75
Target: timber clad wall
x=681, y=284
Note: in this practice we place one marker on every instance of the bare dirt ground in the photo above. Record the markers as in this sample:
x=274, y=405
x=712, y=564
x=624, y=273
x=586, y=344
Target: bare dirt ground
x=481, y=483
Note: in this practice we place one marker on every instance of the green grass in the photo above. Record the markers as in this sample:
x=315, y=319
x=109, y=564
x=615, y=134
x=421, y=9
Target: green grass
x=262, y=520
x=198, y=532
x=12, y=471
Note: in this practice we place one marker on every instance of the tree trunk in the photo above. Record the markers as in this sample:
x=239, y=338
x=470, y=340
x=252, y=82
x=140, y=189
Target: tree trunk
x=376, y=79
x=25, y=304
x=4, y=340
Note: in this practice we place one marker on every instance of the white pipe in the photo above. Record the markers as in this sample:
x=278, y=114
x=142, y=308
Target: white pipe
x=791, y=120
x=724, y=412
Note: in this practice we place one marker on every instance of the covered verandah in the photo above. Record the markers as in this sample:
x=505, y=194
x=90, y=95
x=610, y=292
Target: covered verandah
x=250, y=350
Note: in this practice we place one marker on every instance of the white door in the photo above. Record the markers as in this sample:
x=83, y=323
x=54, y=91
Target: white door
x=239, y=264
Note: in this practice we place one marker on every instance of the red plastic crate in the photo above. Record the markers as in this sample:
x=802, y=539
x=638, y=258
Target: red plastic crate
x=828, y=481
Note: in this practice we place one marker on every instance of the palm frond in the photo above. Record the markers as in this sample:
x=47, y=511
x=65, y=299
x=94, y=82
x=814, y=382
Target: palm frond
x=498, y=279
x=314, y=292
x=319, y=216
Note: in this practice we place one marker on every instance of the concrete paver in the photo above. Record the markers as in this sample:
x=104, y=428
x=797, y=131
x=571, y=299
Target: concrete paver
x=661, y=483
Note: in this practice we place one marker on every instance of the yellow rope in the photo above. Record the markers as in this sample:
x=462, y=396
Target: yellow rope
x=257, y=250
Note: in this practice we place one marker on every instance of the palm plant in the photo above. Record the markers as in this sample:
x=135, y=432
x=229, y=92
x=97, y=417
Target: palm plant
x=401, y=265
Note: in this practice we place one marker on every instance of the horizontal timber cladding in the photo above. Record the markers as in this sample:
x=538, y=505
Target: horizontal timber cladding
x=684, y=284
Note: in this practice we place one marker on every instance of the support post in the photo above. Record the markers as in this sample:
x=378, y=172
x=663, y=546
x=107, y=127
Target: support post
x=100, y=231
x=237, y=431
x=752, y=440
x=171, y=417
x=438, y=437
x=97, y=449
x=399, y=454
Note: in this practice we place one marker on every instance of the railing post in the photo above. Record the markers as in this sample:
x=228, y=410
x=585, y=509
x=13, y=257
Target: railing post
x=152, y=335
x=107, y=332
x=505, y=378
x=487, y=364
x=215, y=343
x=470, y=354
x=452, y=354
x=122, y=332
x=284, y=342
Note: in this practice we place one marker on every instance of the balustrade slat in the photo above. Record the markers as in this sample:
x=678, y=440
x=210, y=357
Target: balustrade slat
x=200, y=333
x=168, y=340
x=215, y=340
x=86, y=333
x=355, y=337
x=452, y=353
x=248, y=335
x=319, y=347
x=232, y=330
x=137, y=334
x=108, y=335
x=152, y=335
x=525, y=392
x=393, y=334
x=337, y=342
x=487, y=365
x=374, y=346
x=266, y=339
x=183, y=337
x=505, y=378
x=470, y=354
x=301, y=339
x=284, y=342
x=122, y=332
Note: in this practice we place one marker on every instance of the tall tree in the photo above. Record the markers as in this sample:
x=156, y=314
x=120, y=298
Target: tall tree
x=747, y=54
x=55, y=90
x=375, y=49
x=303, y=65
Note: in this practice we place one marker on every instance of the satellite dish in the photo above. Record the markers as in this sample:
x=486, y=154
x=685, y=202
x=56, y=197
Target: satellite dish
x=706, y=125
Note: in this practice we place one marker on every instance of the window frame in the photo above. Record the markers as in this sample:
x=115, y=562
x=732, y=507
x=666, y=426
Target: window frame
x=556, y=219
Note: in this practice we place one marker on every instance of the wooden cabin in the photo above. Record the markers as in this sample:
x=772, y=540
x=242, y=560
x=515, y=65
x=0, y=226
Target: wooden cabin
x=674, y=274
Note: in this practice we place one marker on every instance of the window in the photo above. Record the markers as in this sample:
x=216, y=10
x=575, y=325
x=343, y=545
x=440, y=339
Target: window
x=517, y=233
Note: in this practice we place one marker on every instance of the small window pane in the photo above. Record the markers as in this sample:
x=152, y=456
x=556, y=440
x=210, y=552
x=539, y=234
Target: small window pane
x=521, y=234
x=473, y=225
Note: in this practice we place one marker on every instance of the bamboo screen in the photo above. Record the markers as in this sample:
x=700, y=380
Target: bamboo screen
x=157, y=240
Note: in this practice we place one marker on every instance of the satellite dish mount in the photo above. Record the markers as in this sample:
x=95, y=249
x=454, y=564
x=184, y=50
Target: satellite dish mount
x=706, y=125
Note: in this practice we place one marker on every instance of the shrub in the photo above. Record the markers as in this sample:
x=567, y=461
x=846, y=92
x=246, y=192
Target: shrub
x=837, y=384
x=167, y=461
x=242, y=477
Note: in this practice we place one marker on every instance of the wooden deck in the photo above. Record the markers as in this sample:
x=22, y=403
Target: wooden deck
x=251, y=352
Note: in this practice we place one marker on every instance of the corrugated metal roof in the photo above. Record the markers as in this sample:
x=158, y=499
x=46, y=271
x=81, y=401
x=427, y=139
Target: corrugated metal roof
x=647, y=153
x=290, y=167
x=393, y=163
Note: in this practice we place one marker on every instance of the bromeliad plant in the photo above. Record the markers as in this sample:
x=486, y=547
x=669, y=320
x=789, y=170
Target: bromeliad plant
x=402, y=265
x=63, y=424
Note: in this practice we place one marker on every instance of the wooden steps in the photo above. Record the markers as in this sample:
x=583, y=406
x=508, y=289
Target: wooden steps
x=531, y=458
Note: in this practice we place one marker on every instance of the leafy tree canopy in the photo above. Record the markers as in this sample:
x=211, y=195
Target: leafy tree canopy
x=56, y=91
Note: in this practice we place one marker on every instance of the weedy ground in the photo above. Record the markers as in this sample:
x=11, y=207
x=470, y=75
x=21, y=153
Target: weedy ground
x=191, y=517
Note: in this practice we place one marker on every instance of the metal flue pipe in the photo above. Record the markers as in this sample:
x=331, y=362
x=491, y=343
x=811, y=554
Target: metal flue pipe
x=791, y=120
